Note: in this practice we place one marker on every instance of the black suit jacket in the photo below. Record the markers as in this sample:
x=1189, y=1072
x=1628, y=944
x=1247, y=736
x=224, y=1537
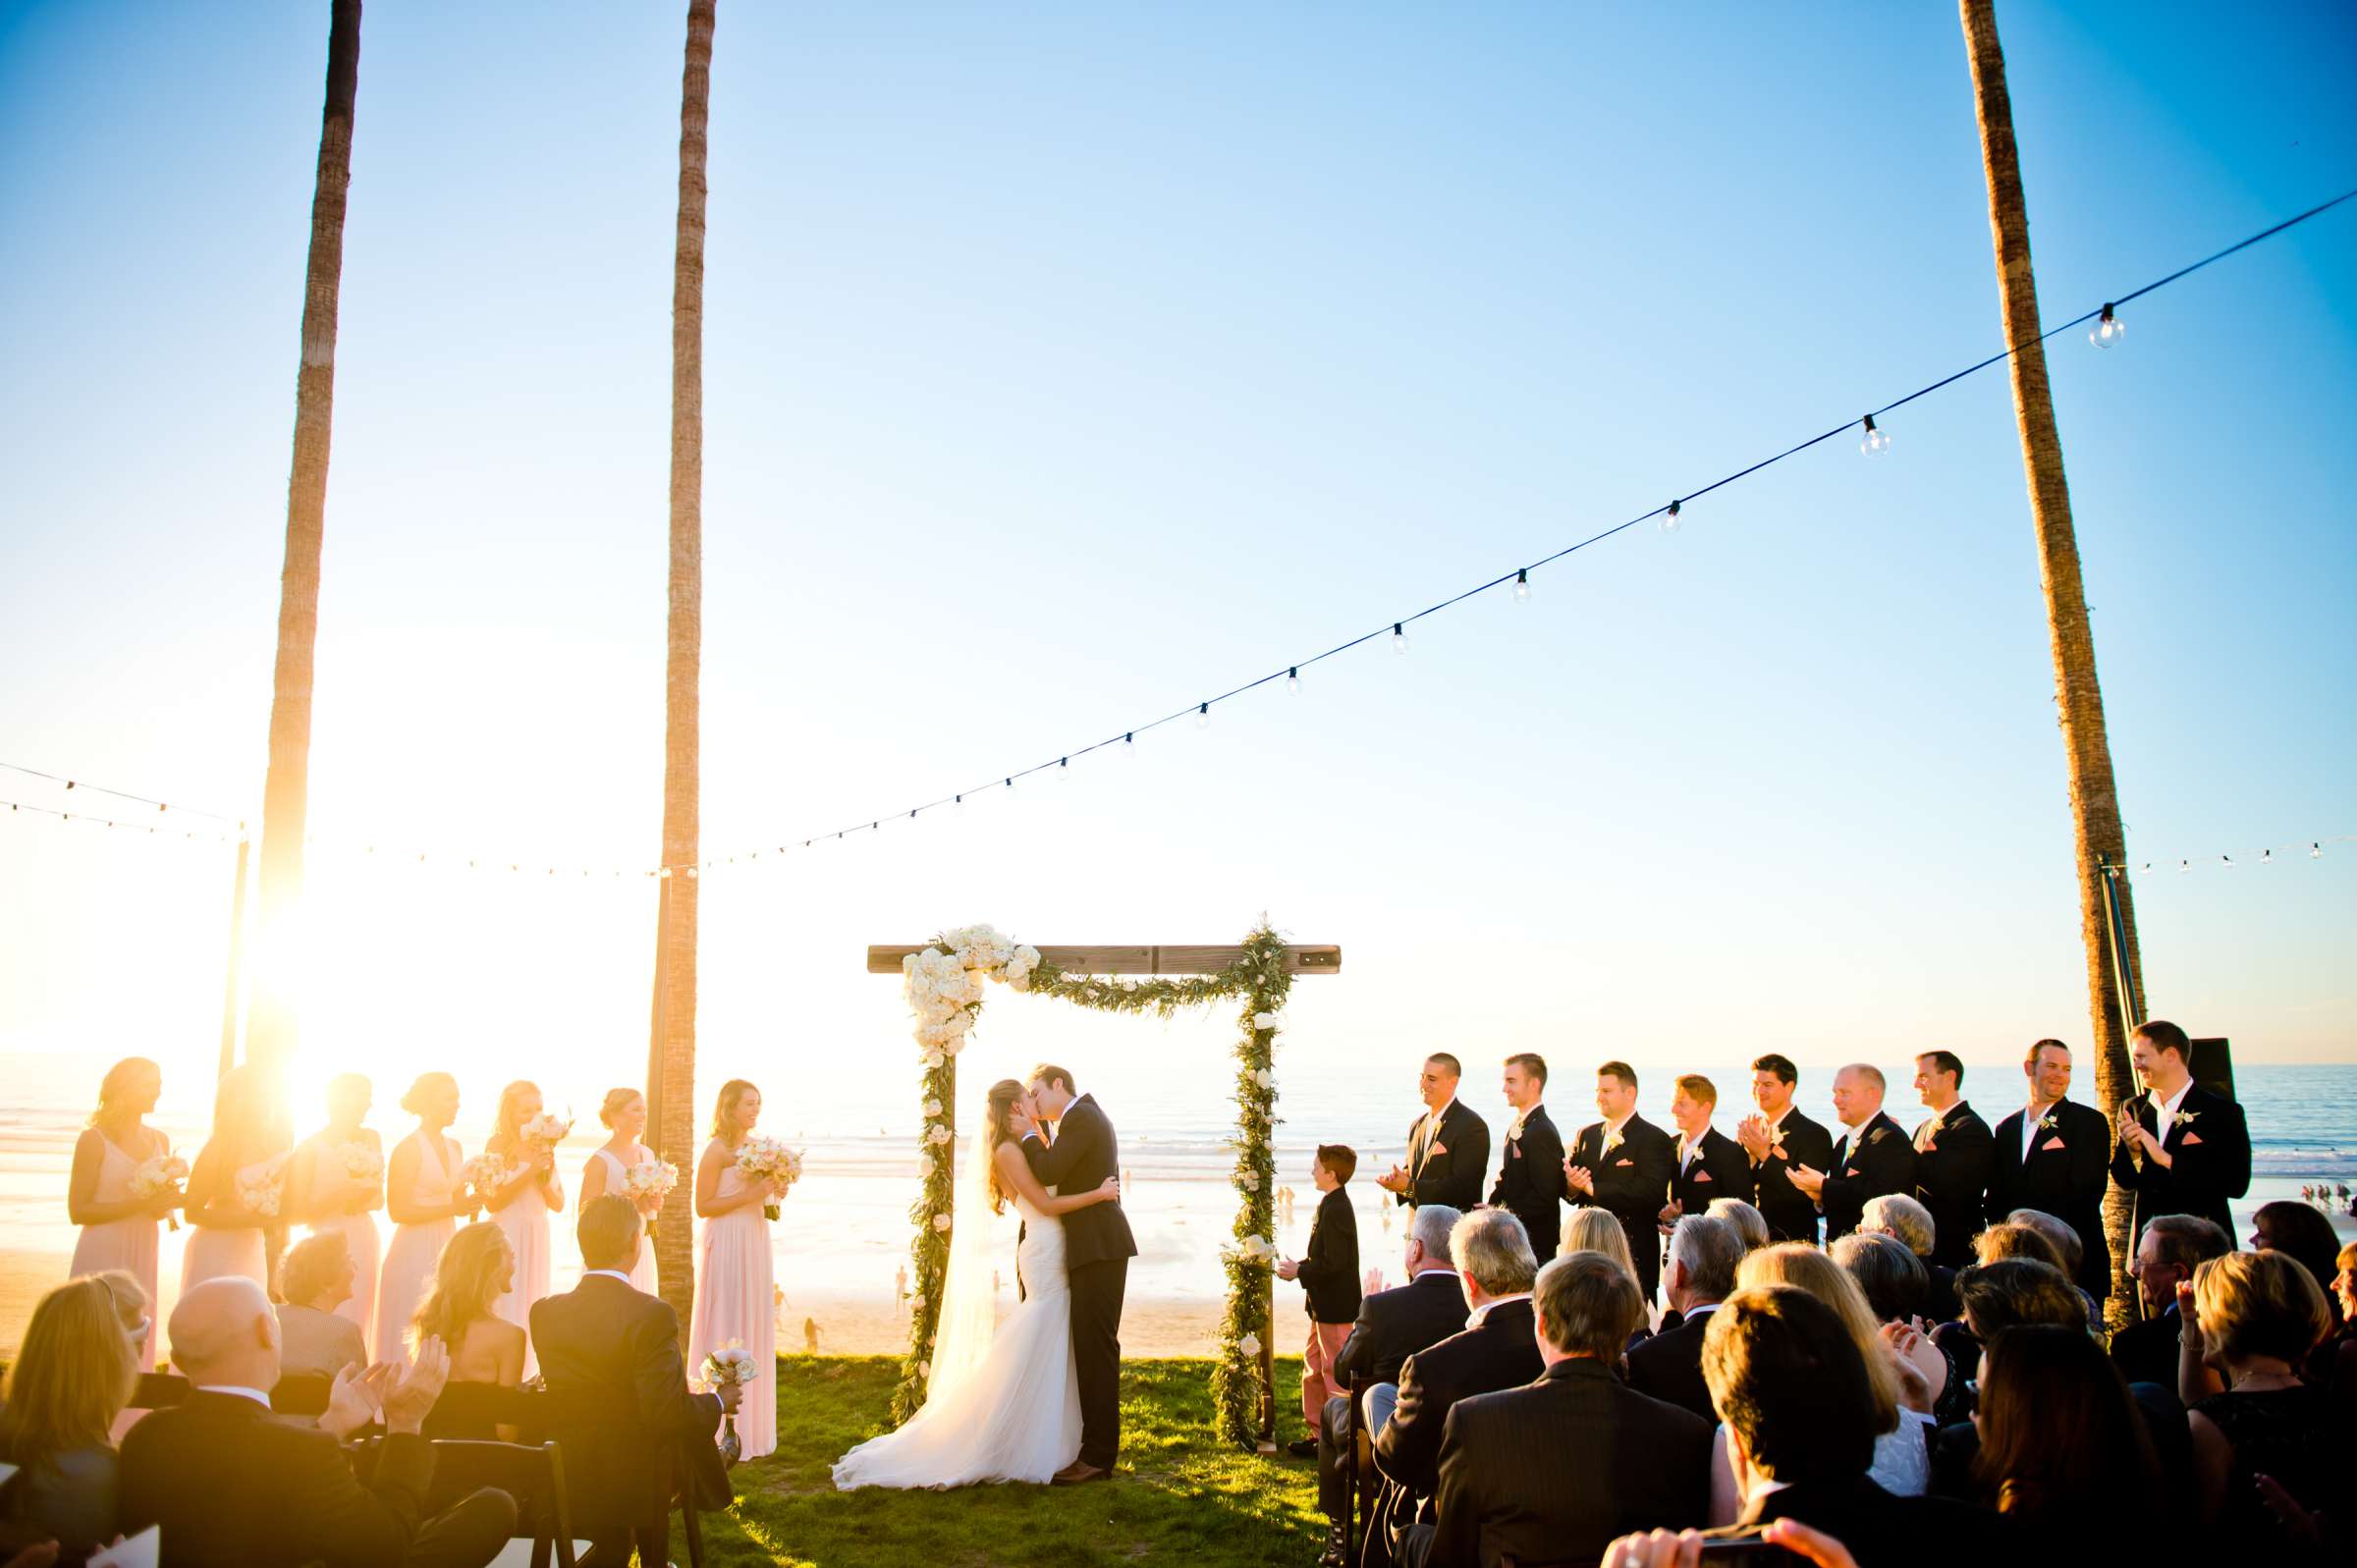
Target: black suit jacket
x=1669, y=1366
x=1720, y=1169
x=2210, y=1160
x=1954, y=1156
x=2146, y=1351
x=1530, y=1181
x=1878, y=1161
x=1882, y=1531
x=619, y=1403
x=1558, y=1468
x=231, y=1485
x=1329, y=1274
x=1633, y=1181
x=1394, y=1324
x=1501, y=1353
x=1792, y=1213
x=2065, y=1174
x=1452, y=1176
x=1084, y=1155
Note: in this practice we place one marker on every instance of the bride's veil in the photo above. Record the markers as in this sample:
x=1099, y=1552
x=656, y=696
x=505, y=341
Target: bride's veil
x=970, y=1304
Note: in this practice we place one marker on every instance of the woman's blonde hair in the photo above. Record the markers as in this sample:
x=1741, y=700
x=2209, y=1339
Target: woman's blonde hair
x=1594, y=1229
x=117, y=1083
x=74, y=1374
x=1804, y=1267
x=997, y=1127
x=131, y=1297
x=615, y=1101
x=2258, y=1304
x=725, y=1106
x=424, y=1088
x=464, y=1276
x=502, y=1125
x=247, y=1112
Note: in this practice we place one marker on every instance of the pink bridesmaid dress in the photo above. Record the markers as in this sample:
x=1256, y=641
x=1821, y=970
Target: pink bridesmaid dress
x=736, y=1303
x=127, y=1244
x=359, y=1237
x=411, y=1258
x=221, y=1252
x=642, y=1273
x=526, y=1221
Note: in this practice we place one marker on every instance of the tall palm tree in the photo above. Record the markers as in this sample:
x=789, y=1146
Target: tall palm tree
x=286, y=785
x=671, y=1090
x=2097, y=841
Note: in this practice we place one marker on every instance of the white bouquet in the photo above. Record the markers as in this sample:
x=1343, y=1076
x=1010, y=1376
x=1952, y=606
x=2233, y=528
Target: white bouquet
x=1251, y=1250
x=767, y=1162
x=364, y=1164
x=156, y=1175
x=484, y=1175
x=731, y=1366
x=260, y=1187
x=544, y=1132
x=649, y=1179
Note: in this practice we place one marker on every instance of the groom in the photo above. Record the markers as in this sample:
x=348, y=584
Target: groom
x=1097, y=1249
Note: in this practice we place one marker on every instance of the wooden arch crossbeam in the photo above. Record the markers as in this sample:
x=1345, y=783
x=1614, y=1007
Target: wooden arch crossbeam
x=1179, y=959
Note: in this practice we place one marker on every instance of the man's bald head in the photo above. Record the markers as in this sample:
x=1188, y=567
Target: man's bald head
x=1857, y=1093
x=223, y=1332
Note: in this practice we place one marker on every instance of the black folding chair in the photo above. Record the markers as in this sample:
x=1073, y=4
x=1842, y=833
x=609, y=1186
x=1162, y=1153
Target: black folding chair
x=471, y=1410
x=1358, y=1468
x=302, y=1396
x=158, y=1390
x=533, y=1475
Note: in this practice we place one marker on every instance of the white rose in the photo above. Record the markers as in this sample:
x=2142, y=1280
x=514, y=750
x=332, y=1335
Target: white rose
x=1249, y=1182
x=941, y=1222
x=1268, y=1020
x=932, y=1109
x=1027, y=955
x=924, y=1370
x=1264, y=1077
x=937, y=1133
x=1250, y=1346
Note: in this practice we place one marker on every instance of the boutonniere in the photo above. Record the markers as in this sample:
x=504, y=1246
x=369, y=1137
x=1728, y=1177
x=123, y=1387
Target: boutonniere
x=1878, y=1135
x=2051, y=1121
x=2187, y=1118
x=1513, y=1134
x=1613, y=1139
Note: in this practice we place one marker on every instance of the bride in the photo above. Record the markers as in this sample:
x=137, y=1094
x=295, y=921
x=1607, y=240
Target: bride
x=1003, y=1402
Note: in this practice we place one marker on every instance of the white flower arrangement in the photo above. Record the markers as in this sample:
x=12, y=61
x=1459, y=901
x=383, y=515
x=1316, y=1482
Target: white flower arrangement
x=362, y=1164
x=1268, y=1020
x=767, y=1162
x=932, y=1109
x=941, y=1222
x=731, y=1366
x=156, y=1175
x=649, y=1180
x=484, y=1175
x=545, y=1131
x=1249, y=1181
x=261, y=1188
x=943, y=983
x=1266, y=1078
x=937, y=1133
x=1250, y=1250
x=1250, y=1346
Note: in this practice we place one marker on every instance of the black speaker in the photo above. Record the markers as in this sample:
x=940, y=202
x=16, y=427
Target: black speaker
x=2212, y=1065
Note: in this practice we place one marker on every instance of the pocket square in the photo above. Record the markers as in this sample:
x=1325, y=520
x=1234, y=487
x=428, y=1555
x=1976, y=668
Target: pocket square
x=1702, y=1175
x=2190, y=1140
x=1848, y=1173
x=1514, y=1151
x=2054, y=1142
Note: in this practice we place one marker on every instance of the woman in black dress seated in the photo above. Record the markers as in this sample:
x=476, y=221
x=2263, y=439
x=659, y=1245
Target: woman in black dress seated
x=2250, y=1318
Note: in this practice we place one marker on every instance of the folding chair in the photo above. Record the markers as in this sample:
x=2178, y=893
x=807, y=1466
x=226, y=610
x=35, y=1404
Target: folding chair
x=534, y=1477
x=1358, y=1468
x=158, y=1390
x=302, y=1396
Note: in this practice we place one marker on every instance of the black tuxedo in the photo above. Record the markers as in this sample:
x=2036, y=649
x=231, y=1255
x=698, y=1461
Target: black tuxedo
x=2209, y=1146
x=1558, y=1468
x=1097, y=1249
x=1954, y=1155
x=1720, y=1169
x=1876, y=1160
x=1632, y=1184
x=1792, y=1213
x=2064, y=1175
x=1329, y=1271
x=231, y=1485
x=1452, y=1176
x=1882, y=1531
x=1669, y=1366
x=633, y=1433
x=2146, y=1351
x=1393, y=1325
x=1530, y=1181
x=1501, y=1353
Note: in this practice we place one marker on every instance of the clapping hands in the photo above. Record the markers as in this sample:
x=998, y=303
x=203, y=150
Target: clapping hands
x=356, y=1397
x=1808, y=1178
x=1922, y=1369
x=409, y=1400
x=1579, y=1178
x=1394, y=1180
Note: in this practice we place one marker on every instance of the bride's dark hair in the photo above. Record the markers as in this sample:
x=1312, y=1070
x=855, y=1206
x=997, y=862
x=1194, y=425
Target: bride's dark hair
x=997, y=1127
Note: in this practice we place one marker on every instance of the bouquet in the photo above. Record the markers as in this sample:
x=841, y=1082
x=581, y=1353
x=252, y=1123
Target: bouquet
x=364, y=1164
x=484, y=1175
x=731, y=1366
x=543, y=1133
x=768, y=1163
x=155, y=1175
x=260, y=1187
x=649, y=1178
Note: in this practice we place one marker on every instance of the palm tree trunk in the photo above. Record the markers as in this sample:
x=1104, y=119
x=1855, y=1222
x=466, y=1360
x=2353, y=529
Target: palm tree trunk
x=672, y=1095
x=2087, y=752
x=271, y=1031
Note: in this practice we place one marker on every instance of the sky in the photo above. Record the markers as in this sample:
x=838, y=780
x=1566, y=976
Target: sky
x=1069, y=365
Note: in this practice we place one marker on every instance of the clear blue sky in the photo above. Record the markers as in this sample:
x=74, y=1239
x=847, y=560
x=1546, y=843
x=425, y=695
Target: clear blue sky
x=1067, y=364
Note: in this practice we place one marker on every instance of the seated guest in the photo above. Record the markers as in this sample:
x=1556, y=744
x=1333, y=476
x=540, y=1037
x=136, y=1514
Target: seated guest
x=137, y=1309
x=316, y=1279
x=1597, y=1231
x=2062, y=1447
x=1392, y=1326
x=1328, y=1274
x=2068, y=1251
x=2172, y=1247
x=1751, y=1227
x=1557, y=1469
x=2301, y=1233
x=1700, y=1272
x=2255, y=1316
x=2334, y=1364
x=71, y=1377
x=1904, y=1375
x=1496, y=1348
x=1891, y=1278
x=231, y=1486
x=1899, y=1215
x=1872, y=1156
x=477, y=1268
x=2015, y=1240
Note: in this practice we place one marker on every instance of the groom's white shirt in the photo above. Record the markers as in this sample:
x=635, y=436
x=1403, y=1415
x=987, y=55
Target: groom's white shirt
x=610, y=1273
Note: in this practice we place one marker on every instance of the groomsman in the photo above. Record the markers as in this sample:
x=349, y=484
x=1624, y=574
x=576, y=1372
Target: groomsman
x=1780, y=1140
x=1710, y=1164
x=2052, y=1155
x=2182, y=1149
x=1530, y=1178
x=1953, y=1154
x=1448, y=1148
x=1872, y=1157
x=1623, y=1164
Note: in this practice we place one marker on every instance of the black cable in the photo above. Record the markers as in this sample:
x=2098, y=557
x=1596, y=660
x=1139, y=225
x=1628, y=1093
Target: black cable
x=119, y=795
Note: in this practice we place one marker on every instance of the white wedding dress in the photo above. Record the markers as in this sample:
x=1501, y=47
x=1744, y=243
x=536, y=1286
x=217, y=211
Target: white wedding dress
x=1004, y=1402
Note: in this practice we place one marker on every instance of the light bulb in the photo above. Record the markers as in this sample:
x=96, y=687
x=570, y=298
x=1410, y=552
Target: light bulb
x=1522, y=586
x=1129, y=744
x=1399, y=636
x=1670, y=519
x=1062, y=770
x=1876, y=441
x=2267, y=857
x=2316, y=851
x=1293, y=682
x=1203, y=715
x=2107, y=330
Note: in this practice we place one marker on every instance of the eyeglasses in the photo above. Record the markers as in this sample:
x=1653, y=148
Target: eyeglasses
x=139, y=1330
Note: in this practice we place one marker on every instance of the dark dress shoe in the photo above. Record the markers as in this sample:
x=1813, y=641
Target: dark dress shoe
x=1302, y=1448
x=1078, y=1472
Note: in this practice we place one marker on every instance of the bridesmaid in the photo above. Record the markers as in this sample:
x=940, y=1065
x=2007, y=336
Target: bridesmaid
x=736, y=1298
x=330, y=1198
x=118, y=1230
x=625, y=1111
x=249, y=1137
x=425, y=1199
x=522, y=1203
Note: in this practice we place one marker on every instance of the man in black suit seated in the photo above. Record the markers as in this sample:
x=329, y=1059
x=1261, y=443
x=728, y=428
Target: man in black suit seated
x=1954, y=1155
x=2182, y=1149
x=1873, y=1156
x=1497, y=1349
x=1554, y=1471
x=229, y=1485
x=1623, y=1164
x=1710, y=1164
x=2052, y=1155
x=1530, y=1178
x=2172, y=1247
x=1328, y=1274
x=1703, y=1255
x=1392, y=1326
x=1447, y=1147
x=1778, y=1140
x=619, y=1402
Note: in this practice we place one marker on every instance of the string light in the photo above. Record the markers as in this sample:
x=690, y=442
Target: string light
x=1398, y=637
x=1876, y=441
x=1522, y=586
x=1203, y=715
x=2107, y=330
x=1670, y=519
x=2227, y=861
x=1293, y=682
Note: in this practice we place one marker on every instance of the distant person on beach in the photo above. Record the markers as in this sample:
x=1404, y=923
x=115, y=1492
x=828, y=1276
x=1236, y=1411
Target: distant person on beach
x=1328, y=1274
x=1447, y=1147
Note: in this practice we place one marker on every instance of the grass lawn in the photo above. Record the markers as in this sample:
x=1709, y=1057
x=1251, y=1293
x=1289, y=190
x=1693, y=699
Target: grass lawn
x=1178, y=1496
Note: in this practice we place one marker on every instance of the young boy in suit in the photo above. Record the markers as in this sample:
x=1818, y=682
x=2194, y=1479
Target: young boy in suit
x=1329, y=1277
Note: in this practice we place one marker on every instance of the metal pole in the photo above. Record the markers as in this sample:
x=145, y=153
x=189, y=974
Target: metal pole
x=237, y=960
